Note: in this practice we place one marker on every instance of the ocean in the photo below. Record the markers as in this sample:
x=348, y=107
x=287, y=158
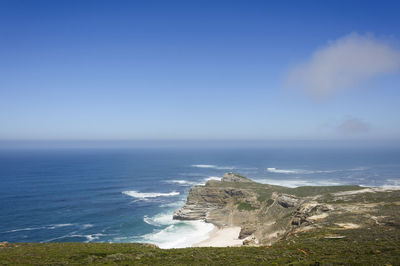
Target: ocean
x=129, y=195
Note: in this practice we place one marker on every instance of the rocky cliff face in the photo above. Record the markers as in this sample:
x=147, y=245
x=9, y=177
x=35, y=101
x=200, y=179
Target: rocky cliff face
x=268, y=213
x=211, y=201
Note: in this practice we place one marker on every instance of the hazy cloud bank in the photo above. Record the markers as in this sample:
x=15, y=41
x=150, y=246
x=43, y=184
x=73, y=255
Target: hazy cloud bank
x=353, y=126
x=345, y=63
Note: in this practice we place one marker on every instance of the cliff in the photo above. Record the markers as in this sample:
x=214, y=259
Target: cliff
x=268, y=213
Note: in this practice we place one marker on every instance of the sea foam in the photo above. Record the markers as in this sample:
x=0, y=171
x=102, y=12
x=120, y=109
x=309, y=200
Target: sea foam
x=281, y=171
x=302, y=171
x=298, y=171
x=181, y=182
x=213, y=166
x=141, y=195
x=160, y=219
x=88, y=237
x=46, y=227
x=179, y=234
x=297, y=182
x=209, y=178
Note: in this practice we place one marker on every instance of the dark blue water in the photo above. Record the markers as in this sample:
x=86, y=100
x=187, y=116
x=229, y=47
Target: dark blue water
x=128, y=195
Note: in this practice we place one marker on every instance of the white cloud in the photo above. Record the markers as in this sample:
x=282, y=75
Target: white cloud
x=344, y=64
x=353, y=126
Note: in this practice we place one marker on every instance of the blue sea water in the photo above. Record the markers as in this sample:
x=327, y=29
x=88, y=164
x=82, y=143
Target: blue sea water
x=128, y=195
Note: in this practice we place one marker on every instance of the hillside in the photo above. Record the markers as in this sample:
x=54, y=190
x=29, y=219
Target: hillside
x=267, y=213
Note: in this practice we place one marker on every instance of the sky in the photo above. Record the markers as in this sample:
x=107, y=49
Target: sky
x=199, y=70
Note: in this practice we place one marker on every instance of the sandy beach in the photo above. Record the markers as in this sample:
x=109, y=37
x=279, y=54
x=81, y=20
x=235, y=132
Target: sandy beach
x=222, y=237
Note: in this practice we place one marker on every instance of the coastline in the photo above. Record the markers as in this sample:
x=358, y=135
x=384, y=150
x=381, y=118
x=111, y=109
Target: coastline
x=222, y=237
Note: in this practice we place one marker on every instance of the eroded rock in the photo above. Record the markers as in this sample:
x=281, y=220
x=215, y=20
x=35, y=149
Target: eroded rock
x=267, y=213
x=233, y=177
x=287, y=201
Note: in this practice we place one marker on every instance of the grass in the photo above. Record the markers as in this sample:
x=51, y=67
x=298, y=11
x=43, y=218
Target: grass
x=270, y=202
x=265, y=190
x=358, y=247
x=244, y=206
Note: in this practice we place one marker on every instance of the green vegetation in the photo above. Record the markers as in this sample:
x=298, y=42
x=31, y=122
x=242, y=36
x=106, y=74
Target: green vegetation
x=262, y=197
x=244, y=206
x=374, y=246
x=266, y=197
x=270, y=202
x=264, y=190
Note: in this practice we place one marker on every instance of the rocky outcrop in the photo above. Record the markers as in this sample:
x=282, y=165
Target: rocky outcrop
x=310, y=212
x=246, y=231
x=250, y=241
x=203, y=201
x=267, y=213
x=233, y=177
x=236, y=200
x=287, y=201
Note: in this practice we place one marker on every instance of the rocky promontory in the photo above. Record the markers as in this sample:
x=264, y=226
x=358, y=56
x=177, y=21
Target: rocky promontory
x=268, y=213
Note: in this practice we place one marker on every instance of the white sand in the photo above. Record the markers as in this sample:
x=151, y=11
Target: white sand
x=222, y=237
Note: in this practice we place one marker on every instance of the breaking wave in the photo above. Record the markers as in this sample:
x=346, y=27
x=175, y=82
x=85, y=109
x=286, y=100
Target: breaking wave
x=176, y=234
x=392, y=182
x=302, y=171
x=298, y=171
x=281, y=171
x=160, y=219
x=193, y=183
x=182, y=182
x=210, y=178
x=213, y=166
x=298, y=183
x=140, y=195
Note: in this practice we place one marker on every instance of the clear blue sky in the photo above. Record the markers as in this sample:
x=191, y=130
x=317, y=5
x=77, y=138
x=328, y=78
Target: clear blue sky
x=189, y=70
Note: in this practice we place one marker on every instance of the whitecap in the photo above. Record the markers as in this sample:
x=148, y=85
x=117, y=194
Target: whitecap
x=24, y=229
x=160, y=219
x=298, y=171
x=54, y=226
x=192, y=183
x=213, y=178
x=46, y=227
x=302, y=171
x=281, y=171
x=85, y=226
x=297, y=182
x=203, y=165
x=205, y=180
x=181, y=182
x=92, y=237
x=213, y=166
x=89, y=237
x=393, y=182
x=144, y=196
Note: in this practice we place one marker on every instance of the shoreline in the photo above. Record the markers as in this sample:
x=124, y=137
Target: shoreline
x=222, y=237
